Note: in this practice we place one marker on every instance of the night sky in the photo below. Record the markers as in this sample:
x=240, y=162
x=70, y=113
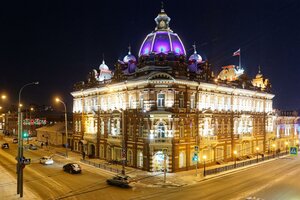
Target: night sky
x=58, y=42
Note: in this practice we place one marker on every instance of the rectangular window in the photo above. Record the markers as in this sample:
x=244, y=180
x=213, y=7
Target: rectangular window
x=142, y=101
x=160, y=100
x=181, y=101
x=192, y=101
x=141, y=130
x=181, y=132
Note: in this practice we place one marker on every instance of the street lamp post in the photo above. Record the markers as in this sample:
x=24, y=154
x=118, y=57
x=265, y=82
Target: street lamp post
x=66, y=123
x=20, y=144
x=257, y=149
x=204, y=170
x=286, y=147
x=235, y=153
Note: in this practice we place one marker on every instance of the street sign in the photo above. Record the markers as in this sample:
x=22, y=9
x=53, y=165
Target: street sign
x=195, y=157
x=293, y=151
x=196, y=148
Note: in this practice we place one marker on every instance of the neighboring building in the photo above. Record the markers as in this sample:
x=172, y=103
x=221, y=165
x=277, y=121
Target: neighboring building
x=33, y=117
x=164, y=103
x=286, y=130
x=55, y=134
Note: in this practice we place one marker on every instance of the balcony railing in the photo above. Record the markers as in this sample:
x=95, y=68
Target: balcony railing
x=166, y=140
x=115, y=139
x=90, y=136
x=245, y=136
x=209, y=140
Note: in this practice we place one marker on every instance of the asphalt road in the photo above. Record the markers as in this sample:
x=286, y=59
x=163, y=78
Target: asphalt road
x=51, y=182
x=274, y=180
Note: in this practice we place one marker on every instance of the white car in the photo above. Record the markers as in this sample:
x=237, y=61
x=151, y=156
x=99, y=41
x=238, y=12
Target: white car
x=46, y=160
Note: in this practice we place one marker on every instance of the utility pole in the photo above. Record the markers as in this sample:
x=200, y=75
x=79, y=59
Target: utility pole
x=20, y=157
x=123, y=143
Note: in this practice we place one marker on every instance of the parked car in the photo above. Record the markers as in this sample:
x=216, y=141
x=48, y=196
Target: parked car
x=15, y=140
x=119, y=180
x=5, y=146
x=72, y=168
x=46, y=160
x=32, y=147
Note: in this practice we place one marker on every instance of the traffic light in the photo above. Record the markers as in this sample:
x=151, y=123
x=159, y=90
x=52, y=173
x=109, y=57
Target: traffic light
x=25, y=134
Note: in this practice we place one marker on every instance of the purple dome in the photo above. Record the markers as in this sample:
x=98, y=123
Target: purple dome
x=162, y=42
x=129, y=58
x=195, y=57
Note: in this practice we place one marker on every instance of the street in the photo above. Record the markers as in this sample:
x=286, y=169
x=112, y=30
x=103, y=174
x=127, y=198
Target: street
x=277, y=179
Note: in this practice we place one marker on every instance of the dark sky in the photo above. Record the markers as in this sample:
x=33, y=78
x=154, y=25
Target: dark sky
x=58, y=42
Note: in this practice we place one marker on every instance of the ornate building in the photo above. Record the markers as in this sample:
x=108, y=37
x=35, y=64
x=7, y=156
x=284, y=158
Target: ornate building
x=163, y=102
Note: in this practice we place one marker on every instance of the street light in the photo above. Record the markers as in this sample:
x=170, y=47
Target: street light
x=66, y=123
x=20, y=142
x=235, y=153
x=3, y=96
x=204, y=172
x=257, y=149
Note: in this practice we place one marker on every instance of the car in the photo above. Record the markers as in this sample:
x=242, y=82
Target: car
x=72, y=168
x=32, y=147
x=15, y=140
x=46, y=160
x=119, y=180
x=5, y=146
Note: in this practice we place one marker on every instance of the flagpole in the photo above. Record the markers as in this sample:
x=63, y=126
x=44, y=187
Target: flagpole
x=240, y=58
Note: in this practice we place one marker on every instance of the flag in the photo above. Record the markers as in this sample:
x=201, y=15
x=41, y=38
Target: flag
x=237, y=53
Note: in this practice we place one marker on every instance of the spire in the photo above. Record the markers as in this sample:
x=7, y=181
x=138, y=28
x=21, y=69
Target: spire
x=194, y=46
x=129, y=49
x=162, y=7
x=103, y=62
x=259, y=70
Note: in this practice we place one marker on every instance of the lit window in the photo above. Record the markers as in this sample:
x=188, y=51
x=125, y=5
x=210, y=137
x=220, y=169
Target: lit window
x=161, y=130
x=181, y=132
x=160, y=100
x=181, y=101
x=192, y=101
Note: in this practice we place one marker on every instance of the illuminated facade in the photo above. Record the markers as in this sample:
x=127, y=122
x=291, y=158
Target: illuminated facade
x=163, y=102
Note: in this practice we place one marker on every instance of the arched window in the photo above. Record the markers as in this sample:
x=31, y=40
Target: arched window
x=161, y=130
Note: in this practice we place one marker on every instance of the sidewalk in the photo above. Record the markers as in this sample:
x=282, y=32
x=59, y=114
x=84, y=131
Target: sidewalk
x=156, y=179
x=8, y=187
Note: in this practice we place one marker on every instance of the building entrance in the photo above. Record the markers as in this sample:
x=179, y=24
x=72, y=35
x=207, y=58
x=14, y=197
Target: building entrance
x=158, y=162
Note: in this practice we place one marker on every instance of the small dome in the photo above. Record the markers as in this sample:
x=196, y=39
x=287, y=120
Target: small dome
x=195, y=57
x=103, y=66
x=129, y=58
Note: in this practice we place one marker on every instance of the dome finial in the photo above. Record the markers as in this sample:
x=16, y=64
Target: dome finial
x=259, y=70
x=162, y=7
x=194, y=46
x=129, y=49
x=103, y=62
